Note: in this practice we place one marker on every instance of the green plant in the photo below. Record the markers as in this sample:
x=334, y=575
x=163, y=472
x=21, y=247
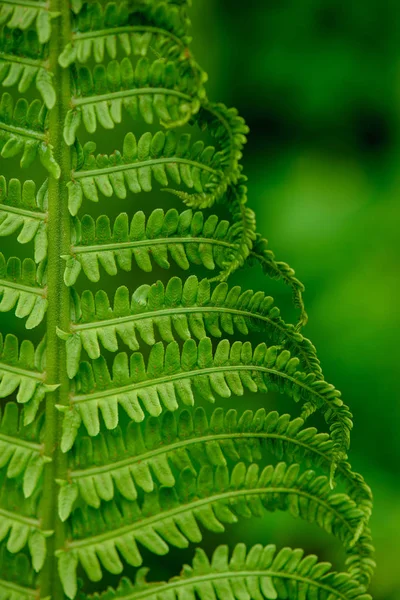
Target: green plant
x=102, y=457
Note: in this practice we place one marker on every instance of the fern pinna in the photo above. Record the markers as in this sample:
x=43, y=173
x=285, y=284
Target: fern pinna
x=109, y=448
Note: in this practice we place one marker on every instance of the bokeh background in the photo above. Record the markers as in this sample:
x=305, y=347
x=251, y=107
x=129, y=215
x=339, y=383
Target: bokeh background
x=318, y=82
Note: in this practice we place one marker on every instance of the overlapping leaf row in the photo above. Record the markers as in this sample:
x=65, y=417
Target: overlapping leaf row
x=186, y=309
x=184, y=237
x=165, y=157
x=23, y=16
x=171, y=91
x=155, y=90
x=260, y=572
x=21, y=450
x=24, y=529
x=143, y=455
x=23, y=210
x=171, y=374
x=171, y=516
x=100, y=27
x=22, y=131
x=23, y=63
x=20, y=289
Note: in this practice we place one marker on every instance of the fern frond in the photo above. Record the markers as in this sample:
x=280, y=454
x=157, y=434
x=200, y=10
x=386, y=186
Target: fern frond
x=22, y=369
x=279, y=270
x=20, y=289
x=243, y=227
x=25, y=14
x=17, y=578
x=181, y=309
x=145, y=454
x=254, y=574
x=171, y=516
x=22, y=63
x=19, y=528
x=229, y=132
x=170, y=372
x=359, y=560
x=140, y=29
x=123, y=441
x=157, y=89
x=14, y=591
x=22, y=129
x=24, y=210
x=20, y=449
x=162, y=157
x=185, y=237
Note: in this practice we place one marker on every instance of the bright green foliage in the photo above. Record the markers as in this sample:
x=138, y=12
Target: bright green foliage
x=184, y=237
x=22, y=131
x=23, y=62
x=108, y=442
x=256, y=574
x=21, y=290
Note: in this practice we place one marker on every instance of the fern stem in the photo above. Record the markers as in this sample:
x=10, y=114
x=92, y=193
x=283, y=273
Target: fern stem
x=13, y=516
x=127, y=29
x=152, y=242
x=77, y=101
x=20, y=591
x=144, y=163
x=23, y=288
x=171, y=312
x=59, y=311
x=32, y=214
x=23, y=131
x=186, y=443
x=23, y=60
x=188, y=375
x=8, y=439
x=23, y=372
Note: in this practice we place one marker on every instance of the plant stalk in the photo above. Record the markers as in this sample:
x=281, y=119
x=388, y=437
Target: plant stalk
x=59, y=308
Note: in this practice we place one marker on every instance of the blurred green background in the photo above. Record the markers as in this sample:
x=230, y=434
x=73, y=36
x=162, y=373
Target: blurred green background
x=318, y=82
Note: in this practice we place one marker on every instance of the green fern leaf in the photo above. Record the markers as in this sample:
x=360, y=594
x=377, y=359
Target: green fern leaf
x=102, y=31
x=17, y=578
x=21, y=368
x=22, y=131
x=259, y=573
x=163, y=157
x=122, y=461
x=20, y=289
x=170, y=516
x=185, y=237
x=23, y=15
x=25, y=211
x=181, y=310
x=22, y=62
x=19, y=529
x=280, y=270
x=21, y=452
x=157, y=89
x=171, y=374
